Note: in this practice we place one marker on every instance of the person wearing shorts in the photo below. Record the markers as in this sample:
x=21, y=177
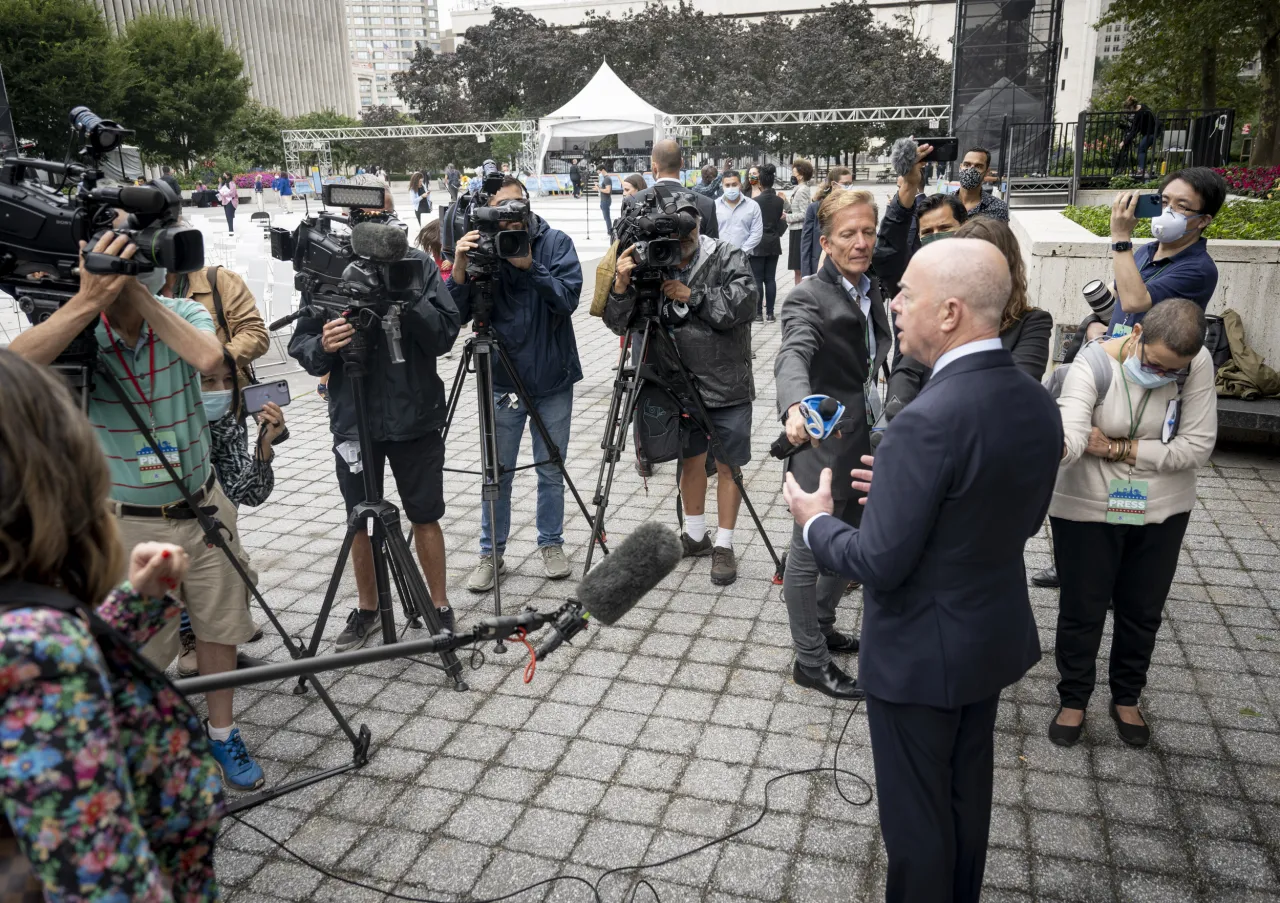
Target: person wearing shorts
x=406, y=409
x=708, y=306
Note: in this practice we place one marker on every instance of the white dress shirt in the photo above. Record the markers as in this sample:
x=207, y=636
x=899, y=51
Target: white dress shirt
x=949, y=358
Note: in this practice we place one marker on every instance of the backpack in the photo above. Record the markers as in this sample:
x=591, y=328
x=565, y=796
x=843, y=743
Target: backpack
x=657, y=424
x=1215, y=339
x=1099, y=363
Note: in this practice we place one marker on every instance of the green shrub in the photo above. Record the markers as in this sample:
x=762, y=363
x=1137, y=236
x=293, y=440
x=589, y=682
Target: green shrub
x=1122, y=182
x=1240, y=220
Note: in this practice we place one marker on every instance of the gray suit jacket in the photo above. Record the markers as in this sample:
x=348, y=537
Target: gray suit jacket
x=824, y=352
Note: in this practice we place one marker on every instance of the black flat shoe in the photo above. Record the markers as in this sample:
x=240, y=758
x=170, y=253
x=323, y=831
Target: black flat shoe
x=1062, y=734
x=1047, y=578
x=828, y=679
x=1138, y=735
x=841, y=642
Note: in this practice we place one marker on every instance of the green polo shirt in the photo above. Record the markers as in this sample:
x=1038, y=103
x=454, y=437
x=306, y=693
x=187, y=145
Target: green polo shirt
x=170, y=405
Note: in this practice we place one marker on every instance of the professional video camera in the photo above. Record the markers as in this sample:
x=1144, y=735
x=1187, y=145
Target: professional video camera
x=41, y=228
x=654, y=233
x=362, y=276
x=472, y=213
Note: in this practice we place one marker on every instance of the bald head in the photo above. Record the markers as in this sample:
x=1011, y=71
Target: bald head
x=952, y=293
x=667, y=158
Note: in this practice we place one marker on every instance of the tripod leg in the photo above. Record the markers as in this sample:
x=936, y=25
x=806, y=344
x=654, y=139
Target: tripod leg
x=417, y=598
x=490, y=463
x=381, y=577
x=317, y=634
x=455, y=391
x=622, y=406
x=554, y=454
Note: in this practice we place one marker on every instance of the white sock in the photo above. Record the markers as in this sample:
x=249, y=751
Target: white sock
x=221, y=734
x=695, y=525
x=724, y=538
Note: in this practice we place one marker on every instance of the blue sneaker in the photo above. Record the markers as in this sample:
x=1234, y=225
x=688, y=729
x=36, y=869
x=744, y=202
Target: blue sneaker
x=239, y=771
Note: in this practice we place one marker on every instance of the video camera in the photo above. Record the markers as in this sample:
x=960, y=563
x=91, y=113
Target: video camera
x=655, y=232
x=362, y=276
x=41, y=228
x=472, y=213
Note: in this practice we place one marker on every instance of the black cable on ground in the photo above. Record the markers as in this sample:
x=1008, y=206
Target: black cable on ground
x=633, y=890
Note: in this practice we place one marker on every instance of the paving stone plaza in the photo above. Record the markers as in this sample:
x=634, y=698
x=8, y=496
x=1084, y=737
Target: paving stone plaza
x=651, y=737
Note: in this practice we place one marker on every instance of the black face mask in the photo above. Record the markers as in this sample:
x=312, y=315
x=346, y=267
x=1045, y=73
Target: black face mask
x=794, y=181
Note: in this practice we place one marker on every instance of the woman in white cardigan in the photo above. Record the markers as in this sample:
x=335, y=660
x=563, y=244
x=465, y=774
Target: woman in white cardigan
x=1124, y=495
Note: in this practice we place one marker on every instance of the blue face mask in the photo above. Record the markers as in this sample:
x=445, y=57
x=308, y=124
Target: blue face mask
x=217, y=404
x=1141, y=378
x=731, y=194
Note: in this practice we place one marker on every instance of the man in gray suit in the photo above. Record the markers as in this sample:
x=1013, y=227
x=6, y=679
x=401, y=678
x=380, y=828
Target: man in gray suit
x=835, y=337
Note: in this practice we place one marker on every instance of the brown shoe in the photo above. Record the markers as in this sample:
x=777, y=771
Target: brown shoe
x=724, y=569
x=695, y=548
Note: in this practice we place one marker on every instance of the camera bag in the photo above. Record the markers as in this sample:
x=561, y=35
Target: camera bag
x=657, y=424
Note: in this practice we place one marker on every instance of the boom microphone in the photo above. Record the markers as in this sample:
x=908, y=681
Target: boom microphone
x=615, y=585
x=375, y=241
x=903, y=156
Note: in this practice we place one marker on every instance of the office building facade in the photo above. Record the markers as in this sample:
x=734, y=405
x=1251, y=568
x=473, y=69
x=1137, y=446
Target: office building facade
x=382, y=39
x=295, y=51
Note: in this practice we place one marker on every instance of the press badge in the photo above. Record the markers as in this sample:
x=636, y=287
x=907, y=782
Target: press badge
x=1127, y=502
x=1120, y=330
x=871, y=395
x=151, y=460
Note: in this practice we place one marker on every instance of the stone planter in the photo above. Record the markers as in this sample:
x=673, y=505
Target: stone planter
x=1061, y=256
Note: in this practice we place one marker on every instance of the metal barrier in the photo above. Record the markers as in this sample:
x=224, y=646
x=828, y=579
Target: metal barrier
x=1115, y=144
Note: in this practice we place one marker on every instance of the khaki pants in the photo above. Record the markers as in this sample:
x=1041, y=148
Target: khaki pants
x=216, y=599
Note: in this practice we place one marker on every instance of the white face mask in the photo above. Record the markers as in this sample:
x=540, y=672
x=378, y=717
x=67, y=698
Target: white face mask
x=1169, y=226
x=731, y=194
x=217, y=404
x=154, y=281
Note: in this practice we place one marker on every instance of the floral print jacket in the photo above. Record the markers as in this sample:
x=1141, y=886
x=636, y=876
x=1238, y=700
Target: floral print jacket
x=105, y=771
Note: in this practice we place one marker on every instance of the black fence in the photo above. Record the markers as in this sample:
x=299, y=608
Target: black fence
x=1037, y=150
x=1118, y=144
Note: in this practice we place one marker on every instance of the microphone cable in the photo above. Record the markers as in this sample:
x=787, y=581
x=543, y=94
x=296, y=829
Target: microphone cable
x=633, y=890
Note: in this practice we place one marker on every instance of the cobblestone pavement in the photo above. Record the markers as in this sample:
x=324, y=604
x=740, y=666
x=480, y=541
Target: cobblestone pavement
x=653, y=736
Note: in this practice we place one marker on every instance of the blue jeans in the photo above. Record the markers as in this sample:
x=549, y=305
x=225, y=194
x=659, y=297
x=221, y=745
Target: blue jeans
x=557, y=413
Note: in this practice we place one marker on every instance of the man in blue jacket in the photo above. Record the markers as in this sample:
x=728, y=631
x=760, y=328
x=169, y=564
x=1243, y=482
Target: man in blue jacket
x=962, y=480
x=534, y=298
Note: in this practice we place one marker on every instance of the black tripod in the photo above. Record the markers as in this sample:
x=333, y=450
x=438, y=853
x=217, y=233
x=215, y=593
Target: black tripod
x=381, y=520
x=477, y=358
x=215, y=536
x=622, y=409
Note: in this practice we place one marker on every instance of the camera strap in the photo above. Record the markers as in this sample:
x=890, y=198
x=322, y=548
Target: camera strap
x=151, y=376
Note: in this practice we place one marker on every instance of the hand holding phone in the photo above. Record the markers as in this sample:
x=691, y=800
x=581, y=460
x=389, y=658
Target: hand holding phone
x=256, y=397
x=1149, y=206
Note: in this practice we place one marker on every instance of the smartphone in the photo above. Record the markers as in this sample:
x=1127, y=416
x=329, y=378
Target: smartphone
x=945, y=149
x=1149, y=206
x=256, y=397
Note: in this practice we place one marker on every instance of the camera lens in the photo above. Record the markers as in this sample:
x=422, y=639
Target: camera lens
x=1099, y=298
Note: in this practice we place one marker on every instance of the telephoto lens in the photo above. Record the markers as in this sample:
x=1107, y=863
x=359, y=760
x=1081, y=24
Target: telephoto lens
x=1099, y=298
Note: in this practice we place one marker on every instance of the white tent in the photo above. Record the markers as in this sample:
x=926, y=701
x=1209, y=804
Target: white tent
x=605, y=106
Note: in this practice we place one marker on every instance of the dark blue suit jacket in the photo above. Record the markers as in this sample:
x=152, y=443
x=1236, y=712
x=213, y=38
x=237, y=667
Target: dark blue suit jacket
x=962, y=479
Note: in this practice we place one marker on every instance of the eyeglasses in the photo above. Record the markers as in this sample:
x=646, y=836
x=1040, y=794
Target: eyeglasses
x=1180, y=207
x=1156, y=369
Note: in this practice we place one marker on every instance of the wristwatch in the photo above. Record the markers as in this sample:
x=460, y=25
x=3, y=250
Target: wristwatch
x=1119, y=246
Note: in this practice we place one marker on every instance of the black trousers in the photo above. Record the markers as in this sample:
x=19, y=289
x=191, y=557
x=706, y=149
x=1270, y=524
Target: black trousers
x=934, y=770
x=765, y=271
x=1129, y=567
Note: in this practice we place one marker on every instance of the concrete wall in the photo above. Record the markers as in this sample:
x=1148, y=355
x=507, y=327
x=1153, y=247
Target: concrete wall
x=1062, y=256
x=295, y=51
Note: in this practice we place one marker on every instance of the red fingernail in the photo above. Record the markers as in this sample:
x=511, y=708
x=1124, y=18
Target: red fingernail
x=164, y=554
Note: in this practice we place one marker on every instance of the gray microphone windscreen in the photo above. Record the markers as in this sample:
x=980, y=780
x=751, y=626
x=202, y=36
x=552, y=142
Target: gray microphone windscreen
x=616, y=584
x=903, y=156
x=376, y=241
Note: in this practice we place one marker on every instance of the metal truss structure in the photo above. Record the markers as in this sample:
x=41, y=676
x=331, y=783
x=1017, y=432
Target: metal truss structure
x=320, y=141
x=678, y=122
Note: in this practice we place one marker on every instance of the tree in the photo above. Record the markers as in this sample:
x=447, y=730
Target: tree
x=343, y=153
x=392, y=154
x=57, y=54
x=1189, y=55
x=253, y=135
x=182, y=84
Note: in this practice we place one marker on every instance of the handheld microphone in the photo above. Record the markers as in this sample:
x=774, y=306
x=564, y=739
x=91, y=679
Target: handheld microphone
x=375, y=241
x=903, y=156
x=614, y=586
x=827, y=409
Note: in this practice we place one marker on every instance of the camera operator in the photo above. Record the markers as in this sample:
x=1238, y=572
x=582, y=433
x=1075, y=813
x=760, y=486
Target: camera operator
x=534, y=300
x=155, y=348
x=835, y=337
x=715, y=284
x=406, y=409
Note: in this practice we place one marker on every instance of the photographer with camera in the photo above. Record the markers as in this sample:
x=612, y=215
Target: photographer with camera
x=406, y=408
x=534, y=297
x=835, y=338
x=156, y=348
x=709, y=300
